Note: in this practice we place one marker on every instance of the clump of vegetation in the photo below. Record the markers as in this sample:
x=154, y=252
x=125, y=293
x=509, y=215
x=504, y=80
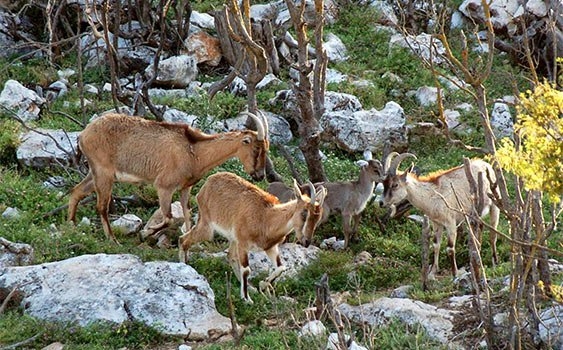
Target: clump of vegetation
x=537, y=155
x=9, y=140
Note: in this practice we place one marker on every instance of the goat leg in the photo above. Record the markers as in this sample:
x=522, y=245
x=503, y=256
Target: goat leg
x=355, y=223
x=267, y=286
x=157, y=227
x=244, y=272
x=346, y=218
x=103, y=184
x=437, y=238
x=185, y=202
x=79, y=192
x=201, y=232
x=164, y=200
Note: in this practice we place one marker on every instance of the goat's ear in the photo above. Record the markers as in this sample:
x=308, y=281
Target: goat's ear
x=247, y=140
x=361, y=163
x=406, y=172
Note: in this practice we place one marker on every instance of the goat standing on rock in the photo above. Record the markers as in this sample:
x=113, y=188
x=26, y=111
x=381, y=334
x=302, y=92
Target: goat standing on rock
x=170, y=156
x=251, y=218
x=445, y=197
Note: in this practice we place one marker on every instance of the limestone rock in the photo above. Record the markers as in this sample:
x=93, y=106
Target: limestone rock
x=170, y=297
x=24, y=102
x=43, y=148
x=438, y=323
x=361, y=130
x=176, y=72
x=15, y=254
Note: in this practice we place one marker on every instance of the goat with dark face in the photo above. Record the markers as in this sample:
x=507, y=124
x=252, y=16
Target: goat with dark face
x=347, y=198
x=445, y=197
x=251, y=218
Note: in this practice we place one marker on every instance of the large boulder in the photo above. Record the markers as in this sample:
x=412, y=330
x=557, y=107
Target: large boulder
x=294, y=256
x=42, y=148
x=171, y=297
x=133, y=57
x=438, y=323
x=423, y=45
x=361, y=130
x=503, y=12
x=205, y=48
x=279, y=130
x=175, y=72
x=25, y=103
x=334, y=102
x=551, y=332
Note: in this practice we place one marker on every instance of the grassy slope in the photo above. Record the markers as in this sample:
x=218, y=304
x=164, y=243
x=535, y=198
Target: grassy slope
x=271, y=323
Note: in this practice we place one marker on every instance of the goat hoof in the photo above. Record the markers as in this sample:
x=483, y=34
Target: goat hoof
x=266, y=288
x=158, y=227
x=183, y=256
x=114, y=241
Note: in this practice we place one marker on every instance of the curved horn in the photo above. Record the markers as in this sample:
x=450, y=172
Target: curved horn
x=397, y=161
x=265, y=123
x=387, y=161
x=312, y=189
x=321, y=195
x=296, y=189
x=259, y=125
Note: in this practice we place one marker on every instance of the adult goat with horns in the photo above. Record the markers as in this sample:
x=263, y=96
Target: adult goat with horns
x=445, y=197
x=171, y=156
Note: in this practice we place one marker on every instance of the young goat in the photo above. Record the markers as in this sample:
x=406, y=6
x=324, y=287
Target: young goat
x=349, y=198
x=251, y=218
x=170, y=156
x=444, y=197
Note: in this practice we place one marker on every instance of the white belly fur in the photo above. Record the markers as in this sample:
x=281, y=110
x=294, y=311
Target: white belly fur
x=124, y=177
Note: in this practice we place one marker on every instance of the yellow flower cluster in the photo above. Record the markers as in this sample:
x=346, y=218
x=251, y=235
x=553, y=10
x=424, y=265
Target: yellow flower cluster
x=538, y=160
x=554, y=292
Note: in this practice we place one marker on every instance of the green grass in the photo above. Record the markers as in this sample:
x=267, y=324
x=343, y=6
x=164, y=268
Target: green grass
x=270, y=323
x=96, y=336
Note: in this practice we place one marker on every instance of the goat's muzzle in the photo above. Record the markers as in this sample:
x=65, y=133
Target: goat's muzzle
x=305, y=242
x=258, y=175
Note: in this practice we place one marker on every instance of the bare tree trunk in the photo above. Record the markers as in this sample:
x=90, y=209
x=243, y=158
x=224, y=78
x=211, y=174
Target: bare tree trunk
x=250, y=50
x=311, y=103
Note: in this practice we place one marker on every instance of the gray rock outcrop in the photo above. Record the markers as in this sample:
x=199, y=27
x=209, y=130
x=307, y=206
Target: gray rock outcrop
x=170, y=297
x=42, y=148
x=15, y=254
x=25, y=103
x=175, y=72
x=361, y=130
x=438, y=323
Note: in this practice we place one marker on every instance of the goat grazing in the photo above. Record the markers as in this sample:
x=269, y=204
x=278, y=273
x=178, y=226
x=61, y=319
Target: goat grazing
x=170, y=156
x=445, y=197
x=349, y=198
x=251, y=218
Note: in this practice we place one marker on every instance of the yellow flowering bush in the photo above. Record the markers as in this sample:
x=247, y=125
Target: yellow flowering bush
x=538, y=161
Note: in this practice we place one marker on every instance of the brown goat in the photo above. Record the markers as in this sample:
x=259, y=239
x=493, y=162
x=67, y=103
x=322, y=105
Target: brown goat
x=250, y=218
x=170, y=156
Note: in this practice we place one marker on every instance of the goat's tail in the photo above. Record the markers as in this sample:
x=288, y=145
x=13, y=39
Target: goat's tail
x=77, y=156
